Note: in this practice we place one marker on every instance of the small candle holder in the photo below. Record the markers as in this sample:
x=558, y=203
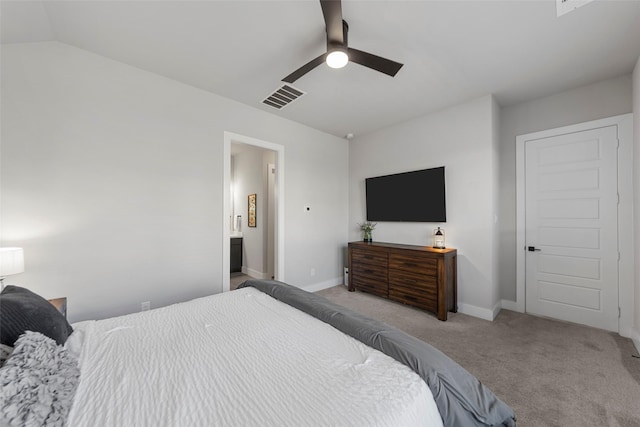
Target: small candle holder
x=438, y=238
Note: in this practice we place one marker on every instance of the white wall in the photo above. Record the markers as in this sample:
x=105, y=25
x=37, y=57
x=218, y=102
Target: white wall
x=462, y=139
x=636, y=196
x=600, y=100
x=112, y=182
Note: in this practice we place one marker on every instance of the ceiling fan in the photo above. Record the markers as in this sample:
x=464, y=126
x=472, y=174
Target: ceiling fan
x=338, y=52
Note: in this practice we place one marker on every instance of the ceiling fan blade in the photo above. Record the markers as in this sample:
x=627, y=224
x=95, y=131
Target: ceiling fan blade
x=332, y=11
x=375, y=62
x=305, y=69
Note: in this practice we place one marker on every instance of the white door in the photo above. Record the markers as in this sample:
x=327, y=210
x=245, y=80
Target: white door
x=571, y=227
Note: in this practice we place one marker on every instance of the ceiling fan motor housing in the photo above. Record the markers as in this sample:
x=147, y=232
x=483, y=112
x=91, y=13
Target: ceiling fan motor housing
x=337, y=44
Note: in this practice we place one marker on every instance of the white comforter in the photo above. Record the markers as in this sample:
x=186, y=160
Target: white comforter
x=238, y=359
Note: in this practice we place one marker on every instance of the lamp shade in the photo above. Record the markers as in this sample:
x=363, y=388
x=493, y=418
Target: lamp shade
x=11, y=261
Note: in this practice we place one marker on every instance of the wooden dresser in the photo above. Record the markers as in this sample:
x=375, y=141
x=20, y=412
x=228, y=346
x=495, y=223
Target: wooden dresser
x=420, y=276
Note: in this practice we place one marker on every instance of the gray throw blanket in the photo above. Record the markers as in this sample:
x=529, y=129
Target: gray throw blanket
x=37, y=383
x=461, y=398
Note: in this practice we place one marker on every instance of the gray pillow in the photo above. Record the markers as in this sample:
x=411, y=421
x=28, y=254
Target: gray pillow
x=5, y=351
x=37, y=383
x=23, y=310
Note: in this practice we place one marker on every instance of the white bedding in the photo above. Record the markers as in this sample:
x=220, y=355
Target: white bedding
x=240, y=358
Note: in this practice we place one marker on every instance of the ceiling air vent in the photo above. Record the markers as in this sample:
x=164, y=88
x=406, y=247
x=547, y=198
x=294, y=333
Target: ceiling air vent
x=283, y=96
x=565, y=6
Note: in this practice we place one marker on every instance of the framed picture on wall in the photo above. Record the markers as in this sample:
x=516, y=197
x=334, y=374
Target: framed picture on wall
x=252, y=210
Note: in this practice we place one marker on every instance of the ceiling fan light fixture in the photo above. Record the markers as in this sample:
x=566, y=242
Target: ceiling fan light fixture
x=337, y=58
x=338, y=53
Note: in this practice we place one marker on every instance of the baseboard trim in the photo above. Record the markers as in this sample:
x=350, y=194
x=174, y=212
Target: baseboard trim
x=635, y=337
x=496, y=310
x=323, y=285
x=479, y=312
x=509, y=305
x=255, y=273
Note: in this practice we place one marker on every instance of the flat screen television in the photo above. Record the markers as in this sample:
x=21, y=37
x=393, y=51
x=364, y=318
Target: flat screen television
x=417, y=196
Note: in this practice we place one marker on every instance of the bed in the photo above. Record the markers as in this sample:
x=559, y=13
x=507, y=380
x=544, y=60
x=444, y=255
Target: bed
x=267, y=354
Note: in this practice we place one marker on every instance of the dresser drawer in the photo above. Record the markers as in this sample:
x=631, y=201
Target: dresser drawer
x=414, y=296
x=370, y=278
x=363, y=256
x=411, y=280
x=370, y=271
x=418, y=290
x=372, y=286
x=415, y=263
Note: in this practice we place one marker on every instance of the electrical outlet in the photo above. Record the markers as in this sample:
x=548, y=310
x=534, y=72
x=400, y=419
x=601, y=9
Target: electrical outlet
x=313, y=272
x=145, y=306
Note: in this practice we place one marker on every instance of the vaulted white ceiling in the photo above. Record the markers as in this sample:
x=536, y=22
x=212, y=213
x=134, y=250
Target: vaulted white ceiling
x=452, y=51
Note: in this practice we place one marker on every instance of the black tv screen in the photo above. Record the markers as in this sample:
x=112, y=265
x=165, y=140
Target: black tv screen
x=417, y=196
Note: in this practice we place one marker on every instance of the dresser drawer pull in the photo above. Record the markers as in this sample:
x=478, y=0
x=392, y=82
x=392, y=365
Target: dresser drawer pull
x=411, y=264
x=411, y=280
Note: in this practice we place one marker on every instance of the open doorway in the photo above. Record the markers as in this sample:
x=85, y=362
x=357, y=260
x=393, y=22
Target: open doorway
x=253, y=231
x=252, y=221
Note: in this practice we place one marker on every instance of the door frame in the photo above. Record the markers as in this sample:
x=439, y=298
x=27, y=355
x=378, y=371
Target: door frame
x=624, y=124
x=271, y=215
x=230, y=137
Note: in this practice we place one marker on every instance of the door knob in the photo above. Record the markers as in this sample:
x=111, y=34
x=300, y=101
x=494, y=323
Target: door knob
x=533, y=249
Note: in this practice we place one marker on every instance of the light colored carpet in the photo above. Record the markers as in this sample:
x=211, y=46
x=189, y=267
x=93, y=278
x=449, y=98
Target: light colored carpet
x=551, y=373
x=236, y=279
